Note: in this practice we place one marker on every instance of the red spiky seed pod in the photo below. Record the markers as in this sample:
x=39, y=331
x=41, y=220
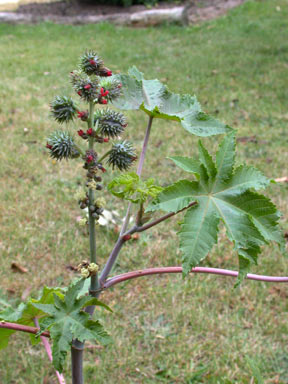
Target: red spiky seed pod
x=106, y=140
x=80, y=132
x=48, y=146
x=87, y=86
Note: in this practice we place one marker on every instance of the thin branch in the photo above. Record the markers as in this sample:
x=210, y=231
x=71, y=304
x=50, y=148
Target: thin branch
x=104, y=156
x=111, y=260
x=282, y=179
x=117, y=247
x=47, y=346
x=121, y=240
x=145, y=146
x=22, y=328
x=139, y=171
x=214, y=271
x=165, y=217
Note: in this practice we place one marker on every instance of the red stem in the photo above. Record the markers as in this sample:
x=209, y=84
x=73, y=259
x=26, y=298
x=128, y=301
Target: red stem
x=23, y=328
x=154, y=271
x=215, y=271
x=47, y=347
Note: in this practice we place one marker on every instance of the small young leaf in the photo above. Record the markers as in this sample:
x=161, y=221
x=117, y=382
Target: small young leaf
x=130, y=187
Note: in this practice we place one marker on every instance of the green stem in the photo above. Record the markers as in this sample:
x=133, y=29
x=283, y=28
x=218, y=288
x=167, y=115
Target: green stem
x=92, y=233
x=104, y=156
x=77, y=348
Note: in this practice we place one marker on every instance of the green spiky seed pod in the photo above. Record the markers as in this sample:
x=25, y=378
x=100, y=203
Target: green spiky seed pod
x=61, y=145
x=85, y=87
x=113, y=86
x=110, y=123
x=91, y=63
x=63, y=109
x=122, y=155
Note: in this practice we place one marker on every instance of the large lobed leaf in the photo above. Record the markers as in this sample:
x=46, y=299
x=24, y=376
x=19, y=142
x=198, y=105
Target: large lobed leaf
x=224, y=193
x=67, y=321
x=157, y=101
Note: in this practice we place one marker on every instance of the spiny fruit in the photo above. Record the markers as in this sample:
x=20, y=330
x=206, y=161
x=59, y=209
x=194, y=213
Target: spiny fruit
x=110, y=123
x=122, y=155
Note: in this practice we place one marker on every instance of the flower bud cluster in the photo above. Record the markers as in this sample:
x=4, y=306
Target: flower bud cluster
x=82, y=115
x=93, y=179
x=92, y=133
x=87, y=269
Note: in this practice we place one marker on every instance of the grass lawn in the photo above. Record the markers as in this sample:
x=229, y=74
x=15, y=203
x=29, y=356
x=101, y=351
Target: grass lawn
x=166, y=330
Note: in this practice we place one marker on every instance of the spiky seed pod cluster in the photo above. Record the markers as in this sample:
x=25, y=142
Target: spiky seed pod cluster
x=85, y=87
x=122, y=155
x=110, y=123
x=92, y=64
x=63, y=109
x=61, y=145
x=112, y=86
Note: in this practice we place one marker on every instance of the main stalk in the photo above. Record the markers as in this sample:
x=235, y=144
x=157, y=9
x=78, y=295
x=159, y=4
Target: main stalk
x=92, y=233
x=77, y=348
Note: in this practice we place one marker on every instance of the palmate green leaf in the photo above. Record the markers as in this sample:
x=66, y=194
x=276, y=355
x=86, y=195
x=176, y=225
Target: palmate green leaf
x=155, y=99
x=222, y=193
x=67, y=321
x=25, y=313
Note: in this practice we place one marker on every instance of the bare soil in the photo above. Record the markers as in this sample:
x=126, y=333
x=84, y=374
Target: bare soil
x=198, y=9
